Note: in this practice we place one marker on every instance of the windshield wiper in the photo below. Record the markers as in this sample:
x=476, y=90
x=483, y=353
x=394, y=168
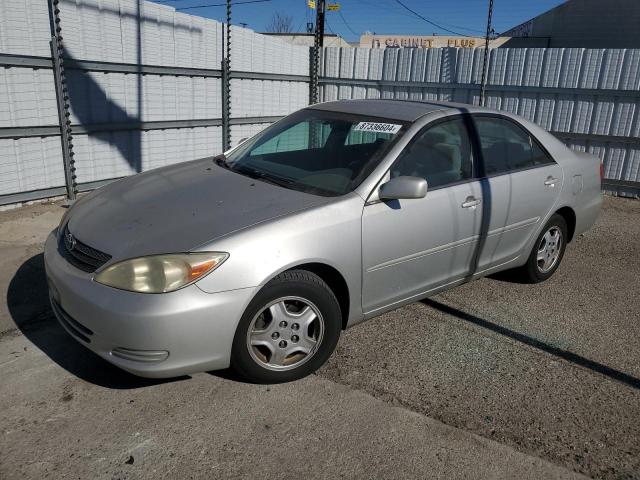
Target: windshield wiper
x=254, y=173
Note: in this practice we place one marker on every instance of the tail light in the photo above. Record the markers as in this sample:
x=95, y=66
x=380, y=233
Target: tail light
x=601, y=169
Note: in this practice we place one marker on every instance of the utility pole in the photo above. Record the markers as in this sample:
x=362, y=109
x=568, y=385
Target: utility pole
x=318, y=43
x=483, y=81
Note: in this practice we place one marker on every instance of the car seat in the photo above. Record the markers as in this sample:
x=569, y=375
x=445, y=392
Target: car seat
x=432, y=158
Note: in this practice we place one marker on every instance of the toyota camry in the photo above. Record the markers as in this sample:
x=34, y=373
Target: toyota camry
x=258, y=258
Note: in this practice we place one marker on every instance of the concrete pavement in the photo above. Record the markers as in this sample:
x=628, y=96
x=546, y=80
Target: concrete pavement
x=65, y=413
x=491, y=380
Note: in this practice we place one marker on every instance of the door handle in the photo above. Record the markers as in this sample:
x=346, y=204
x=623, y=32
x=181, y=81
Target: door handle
x=471, y=202
x=550, y=181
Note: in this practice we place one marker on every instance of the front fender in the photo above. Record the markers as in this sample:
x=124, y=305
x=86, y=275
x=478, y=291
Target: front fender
x=329, y=235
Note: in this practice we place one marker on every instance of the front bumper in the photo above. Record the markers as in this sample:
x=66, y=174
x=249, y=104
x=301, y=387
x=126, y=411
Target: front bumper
x=151, y=335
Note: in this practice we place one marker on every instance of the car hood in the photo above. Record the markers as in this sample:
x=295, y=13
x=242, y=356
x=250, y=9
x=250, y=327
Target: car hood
x=178, y=208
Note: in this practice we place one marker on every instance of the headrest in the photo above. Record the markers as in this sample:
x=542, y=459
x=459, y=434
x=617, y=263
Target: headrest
x=434, y=137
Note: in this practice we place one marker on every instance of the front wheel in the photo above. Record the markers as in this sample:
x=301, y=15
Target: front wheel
x=289, y=329
x=547, y=251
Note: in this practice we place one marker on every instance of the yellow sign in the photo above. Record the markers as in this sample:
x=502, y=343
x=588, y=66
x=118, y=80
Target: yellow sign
x=333, y=7
x=311, y=4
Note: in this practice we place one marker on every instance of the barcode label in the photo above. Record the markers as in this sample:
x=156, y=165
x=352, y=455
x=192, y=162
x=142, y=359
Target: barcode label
x=391, y=128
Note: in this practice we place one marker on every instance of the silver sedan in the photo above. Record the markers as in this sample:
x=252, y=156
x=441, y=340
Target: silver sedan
x=259, y=258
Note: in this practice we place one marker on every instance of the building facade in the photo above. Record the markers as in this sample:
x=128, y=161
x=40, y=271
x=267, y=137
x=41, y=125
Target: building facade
x=582, y=23
x=574, y=23
x=426, y=41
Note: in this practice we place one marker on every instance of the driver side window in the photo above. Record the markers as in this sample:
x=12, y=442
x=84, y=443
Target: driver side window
x=440, y=154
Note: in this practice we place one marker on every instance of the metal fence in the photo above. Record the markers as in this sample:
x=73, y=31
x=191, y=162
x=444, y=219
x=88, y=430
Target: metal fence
x=144, y=87
x=145, y=90
x=589, y=98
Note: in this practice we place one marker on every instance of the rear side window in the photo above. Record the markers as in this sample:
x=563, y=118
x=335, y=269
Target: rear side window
x=507, y=147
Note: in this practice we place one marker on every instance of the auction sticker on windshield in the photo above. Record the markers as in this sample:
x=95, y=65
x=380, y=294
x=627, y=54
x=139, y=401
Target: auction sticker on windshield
x=377, y=127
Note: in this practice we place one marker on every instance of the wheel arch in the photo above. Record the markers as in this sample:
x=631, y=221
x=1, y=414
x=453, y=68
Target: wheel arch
x=336, y=282
x=569, y=216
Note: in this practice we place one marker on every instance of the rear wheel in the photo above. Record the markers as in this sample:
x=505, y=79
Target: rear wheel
x=289, y=329
x=547, y=251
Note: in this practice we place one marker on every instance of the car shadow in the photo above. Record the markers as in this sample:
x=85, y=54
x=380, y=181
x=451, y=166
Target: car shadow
x=508, y=276
x=535, y=343
x=28, y=302
x=228, y=374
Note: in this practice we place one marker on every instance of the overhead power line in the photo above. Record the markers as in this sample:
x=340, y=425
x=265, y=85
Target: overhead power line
x=429, y=21
x=460, y=27
x=223, y=4
x=402, y=12
x=346, y=24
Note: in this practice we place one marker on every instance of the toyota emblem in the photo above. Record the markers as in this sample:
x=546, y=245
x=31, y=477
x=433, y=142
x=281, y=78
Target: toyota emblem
x=71, y=241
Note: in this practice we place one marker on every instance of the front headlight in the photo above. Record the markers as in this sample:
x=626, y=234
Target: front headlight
x=160, y=273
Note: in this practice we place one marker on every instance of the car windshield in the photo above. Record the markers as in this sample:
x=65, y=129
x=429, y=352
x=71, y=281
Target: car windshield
x=320, y=152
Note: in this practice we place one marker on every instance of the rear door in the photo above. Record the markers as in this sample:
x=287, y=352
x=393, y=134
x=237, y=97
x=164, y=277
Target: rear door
x=522, y=185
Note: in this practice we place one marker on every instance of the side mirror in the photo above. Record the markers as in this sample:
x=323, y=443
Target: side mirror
x=403, y=187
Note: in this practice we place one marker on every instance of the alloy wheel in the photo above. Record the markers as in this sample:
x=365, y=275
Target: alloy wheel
x=285, y=334
x=549, y=249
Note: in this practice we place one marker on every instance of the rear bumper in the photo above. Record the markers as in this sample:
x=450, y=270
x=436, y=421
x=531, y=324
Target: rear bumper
x=587, y=210
x=151, y=335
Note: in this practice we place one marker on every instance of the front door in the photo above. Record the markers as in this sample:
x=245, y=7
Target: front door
x=410, y=247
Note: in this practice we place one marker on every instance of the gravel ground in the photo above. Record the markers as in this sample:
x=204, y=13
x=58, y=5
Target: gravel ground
x=550, y=369
x=492, y=379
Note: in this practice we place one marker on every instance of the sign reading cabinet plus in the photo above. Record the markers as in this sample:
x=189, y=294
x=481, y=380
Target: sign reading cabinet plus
x=420, y=41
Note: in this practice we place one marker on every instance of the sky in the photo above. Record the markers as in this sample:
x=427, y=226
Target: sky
x=466, y=17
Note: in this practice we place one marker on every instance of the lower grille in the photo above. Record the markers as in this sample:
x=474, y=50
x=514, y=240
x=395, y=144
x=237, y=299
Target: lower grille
x=73, y=326
x=80, y=255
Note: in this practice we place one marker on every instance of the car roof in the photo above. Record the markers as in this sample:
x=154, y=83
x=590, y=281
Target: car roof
x=402, y=110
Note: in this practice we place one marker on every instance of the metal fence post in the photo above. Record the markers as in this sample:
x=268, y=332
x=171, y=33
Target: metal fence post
x=313, y=75
x=316, y=51
x=62, y=97
x=226, y=83
x=226, y=130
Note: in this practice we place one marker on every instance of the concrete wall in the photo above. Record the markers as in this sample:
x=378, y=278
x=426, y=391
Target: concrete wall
x=588, y=98
x=127, y=32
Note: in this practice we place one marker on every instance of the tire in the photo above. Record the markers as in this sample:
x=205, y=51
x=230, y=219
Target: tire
x=542, y=263
x=267, y=346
